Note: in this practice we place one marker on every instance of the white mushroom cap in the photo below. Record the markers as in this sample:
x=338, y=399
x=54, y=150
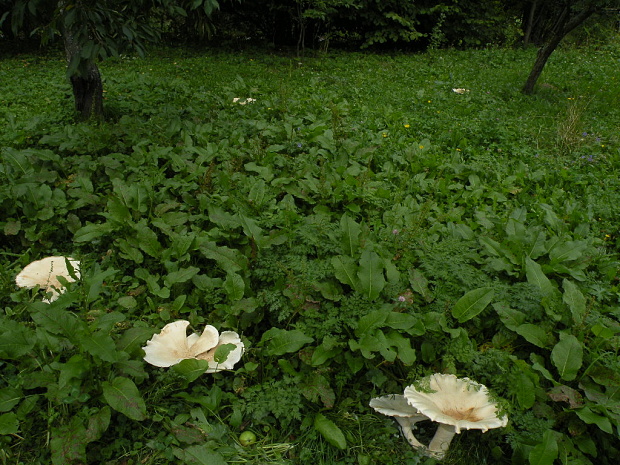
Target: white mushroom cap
x=459, y=402
x=396, y=405
x=172, y=345
x=44, y=273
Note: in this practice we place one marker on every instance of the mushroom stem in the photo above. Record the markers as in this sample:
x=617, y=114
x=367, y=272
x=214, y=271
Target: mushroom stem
x=441, y=441
x=406, y=424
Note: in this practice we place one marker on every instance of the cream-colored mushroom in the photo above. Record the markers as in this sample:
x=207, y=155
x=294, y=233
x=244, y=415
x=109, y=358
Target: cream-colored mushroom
x=455, y=404
x=396, y=405
x=172, y=345
x=44, y=273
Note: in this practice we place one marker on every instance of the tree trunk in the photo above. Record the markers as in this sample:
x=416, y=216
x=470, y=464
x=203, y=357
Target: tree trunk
x=529, y=24
x=562, y=27
x=88, y=93
x=85, y=81
x=541, y=60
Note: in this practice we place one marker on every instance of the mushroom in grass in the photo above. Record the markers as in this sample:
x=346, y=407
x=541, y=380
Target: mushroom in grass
x=454, y=403
x=396, y=405
x=44, y=273
x=172, y=345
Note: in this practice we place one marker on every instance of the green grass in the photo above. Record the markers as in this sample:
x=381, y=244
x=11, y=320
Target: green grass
x=340, y=224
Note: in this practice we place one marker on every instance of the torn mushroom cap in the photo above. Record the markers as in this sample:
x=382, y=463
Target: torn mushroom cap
x=396, y=405
x=45, y=272
x=172, y=345
x=454, y=401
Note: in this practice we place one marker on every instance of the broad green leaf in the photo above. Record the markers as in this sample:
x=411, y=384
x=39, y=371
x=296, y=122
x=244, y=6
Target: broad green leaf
x=420, y=284
x=567, y=356
x=222, y=218
x=191, y=368
x=350, y=235
x=533, y=334
x=551, y=218
x=251, y=229
x=282, y=341
x=98, y=424
x=59, y=321
x=230, y=260
x=538, y=363
x=330, y=431
x=370, y=275
x=147, y=240
x=403, y=347
x=123, y=396
x=9, y=424
x=199, y=455
x=371, y=321
x=93, y=282
x=16, y=341
x=546, y=451
x=180, y=276
x=591, y=418
x=575, y=300
x=391, y=272
x=222, y=352
x=472, y=303
x=536, y=277
x=323, y=353
x=401, y=321
x=100, y=344
x=256, y=196
x=565, y=251
x=127, y=302
x=537, y=246
x=234, y=286
x=525, y=390
x=510, y=317
x=93, y=231
x=117, y=211
x=67, y=443
x=316, y=387
x=9, y=398
x=344, y=270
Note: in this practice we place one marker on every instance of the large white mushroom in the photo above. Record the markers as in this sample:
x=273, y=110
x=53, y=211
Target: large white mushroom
x=172, y=345
x=455, y=404
x=396, y=405
x=44, y=273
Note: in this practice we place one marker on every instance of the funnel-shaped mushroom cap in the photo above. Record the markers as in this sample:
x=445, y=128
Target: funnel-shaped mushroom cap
x=172, y=345
x=461, y=403
x=394, y=405
x=45, y=272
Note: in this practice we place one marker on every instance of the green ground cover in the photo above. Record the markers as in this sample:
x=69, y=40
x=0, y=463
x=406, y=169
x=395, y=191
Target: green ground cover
x=360, y=225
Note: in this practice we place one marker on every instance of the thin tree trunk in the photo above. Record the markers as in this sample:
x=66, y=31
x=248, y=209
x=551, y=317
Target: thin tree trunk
x=543, y=55
x=563, y=26
x=87, y=85
x=529, y=25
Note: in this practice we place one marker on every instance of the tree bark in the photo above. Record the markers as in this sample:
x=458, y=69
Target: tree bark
x=529, y=24
x=88, y=93
x=86, y=83
x=562, y=27
x=542, y=56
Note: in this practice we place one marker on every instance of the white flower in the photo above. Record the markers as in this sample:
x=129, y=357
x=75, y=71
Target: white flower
x=45, y=272
x=460, y=90
x=454, y=403
x=172, y=345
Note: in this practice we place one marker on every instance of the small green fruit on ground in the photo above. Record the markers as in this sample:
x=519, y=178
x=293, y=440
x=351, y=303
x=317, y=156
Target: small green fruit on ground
x=247, y=438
